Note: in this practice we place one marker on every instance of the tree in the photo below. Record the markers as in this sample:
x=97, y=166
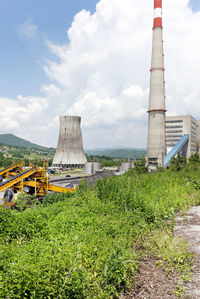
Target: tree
x=177, y=163
x=140, y=165
x=194, y=158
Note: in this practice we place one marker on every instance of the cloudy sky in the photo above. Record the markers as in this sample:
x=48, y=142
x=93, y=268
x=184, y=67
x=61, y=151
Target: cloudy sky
x=92, y=58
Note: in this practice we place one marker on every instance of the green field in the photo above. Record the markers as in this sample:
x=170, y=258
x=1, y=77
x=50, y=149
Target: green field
x=89, y=245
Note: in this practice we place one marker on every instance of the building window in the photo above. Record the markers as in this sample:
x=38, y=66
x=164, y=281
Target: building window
x=174, y=127
x=174, y=131
x=153, y=159
x=174, y=121
x=175, y=136
x=173, y=140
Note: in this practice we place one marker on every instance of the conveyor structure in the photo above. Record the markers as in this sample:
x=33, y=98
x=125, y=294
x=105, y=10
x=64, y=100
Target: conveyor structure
x=176, y=149
x=33, y=180
x=15, y=167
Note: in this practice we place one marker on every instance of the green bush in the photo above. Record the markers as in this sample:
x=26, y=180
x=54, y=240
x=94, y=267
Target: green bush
x=140, y=165
x=194, y=158
x=24, y=201
x=178, y=163
x=55, y=197
x=85, y=245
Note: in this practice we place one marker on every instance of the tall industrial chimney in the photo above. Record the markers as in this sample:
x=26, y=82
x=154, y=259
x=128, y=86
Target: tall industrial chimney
x=156, y=128
x=70, y=151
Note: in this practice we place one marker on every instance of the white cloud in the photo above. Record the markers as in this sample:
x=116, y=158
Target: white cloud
x=23, y=116
x=102, y=74
x=28, y=29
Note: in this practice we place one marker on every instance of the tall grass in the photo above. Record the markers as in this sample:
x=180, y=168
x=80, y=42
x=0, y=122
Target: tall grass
x=85, y=246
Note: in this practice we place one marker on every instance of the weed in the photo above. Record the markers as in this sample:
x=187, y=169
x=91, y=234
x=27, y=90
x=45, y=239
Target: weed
x=85, y=245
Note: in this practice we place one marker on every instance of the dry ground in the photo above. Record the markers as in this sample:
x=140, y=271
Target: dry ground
x=188, y=227
x=151, y=282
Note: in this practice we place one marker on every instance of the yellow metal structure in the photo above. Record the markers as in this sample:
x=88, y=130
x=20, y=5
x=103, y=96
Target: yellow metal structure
x=34, y=178
x=18, y=167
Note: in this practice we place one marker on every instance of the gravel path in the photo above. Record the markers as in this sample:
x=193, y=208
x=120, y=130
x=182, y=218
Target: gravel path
x=188, y=227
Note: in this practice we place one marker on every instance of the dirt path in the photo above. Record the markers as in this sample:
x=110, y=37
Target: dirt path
x=188, y=227
x=151, y=282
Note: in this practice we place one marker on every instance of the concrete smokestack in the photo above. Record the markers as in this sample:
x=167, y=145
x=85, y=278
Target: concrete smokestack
x=70, y=151
x=156, y=148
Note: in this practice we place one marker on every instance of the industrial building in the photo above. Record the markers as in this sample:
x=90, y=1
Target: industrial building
x=92, y=167
x=69, y=152
x=177, y=127
x=198, y=136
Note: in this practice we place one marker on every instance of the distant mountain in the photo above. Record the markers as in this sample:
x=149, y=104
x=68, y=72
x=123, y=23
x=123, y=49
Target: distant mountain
x=124, y=153
x=11, y=139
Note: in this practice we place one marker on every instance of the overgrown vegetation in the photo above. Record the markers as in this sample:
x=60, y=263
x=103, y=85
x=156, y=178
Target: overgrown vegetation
x=88, y=245
x=177, y=163
x=140, y=165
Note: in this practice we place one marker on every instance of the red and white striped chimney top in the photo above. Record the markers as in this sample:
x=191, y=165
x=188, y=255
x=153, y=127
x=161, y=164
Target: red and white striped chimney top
x=157, y=13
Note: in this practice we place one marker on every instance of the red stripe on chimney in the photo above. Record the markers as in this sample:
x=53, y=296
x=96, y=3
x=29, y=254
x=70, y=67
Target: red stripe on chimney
x=157, y=3
x=157, y=22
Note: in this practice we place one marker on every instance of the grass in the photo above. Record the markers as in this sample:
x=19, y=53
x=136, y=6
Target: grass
x=89, y=245
x=172, y=253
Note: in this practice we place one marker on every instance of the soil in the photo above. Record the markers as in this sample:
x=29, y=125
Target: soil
x=151, y=281
x=188, y=227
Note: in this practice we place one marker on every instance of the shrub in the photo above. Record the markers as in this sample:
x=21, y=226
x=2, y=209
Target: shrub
x=178, y=163
x=86, y=245
x=55, y=197
x=140, y=165
x=24, y=201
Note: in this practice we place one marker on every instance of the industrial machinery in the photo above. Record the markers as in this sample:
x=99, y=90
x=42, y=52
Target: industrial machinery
x=33, y=180
x=14, y=167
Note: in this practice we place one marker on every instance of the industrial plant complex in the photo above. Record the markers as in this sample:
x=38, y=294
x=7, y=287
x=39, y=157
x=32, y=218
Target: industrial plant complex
x=167, y=135
x=106, y=222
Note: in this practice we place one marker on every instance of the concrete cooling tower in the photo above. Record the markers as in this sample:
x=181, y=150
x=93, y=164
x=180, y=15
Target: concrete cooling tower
x=70, y=151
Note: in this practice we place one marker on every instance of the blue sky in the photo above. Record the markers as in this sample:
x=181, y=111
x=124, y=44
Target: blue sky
x=22, y=56
x=195, y=4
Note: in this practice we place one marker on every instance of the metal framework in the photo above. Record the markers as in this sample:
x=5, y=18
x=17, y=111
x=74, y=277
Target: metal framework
x=16, y=167
x=33, y=180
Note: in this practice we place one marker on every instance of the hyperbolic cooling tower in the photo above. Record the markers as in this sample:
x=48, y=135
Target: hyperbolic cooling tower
x=70, y=151
x=156, y=128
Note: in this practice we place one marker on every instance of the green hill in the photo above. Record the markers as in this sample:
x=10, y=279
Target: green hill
x=118, y=153
x=11, y=139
